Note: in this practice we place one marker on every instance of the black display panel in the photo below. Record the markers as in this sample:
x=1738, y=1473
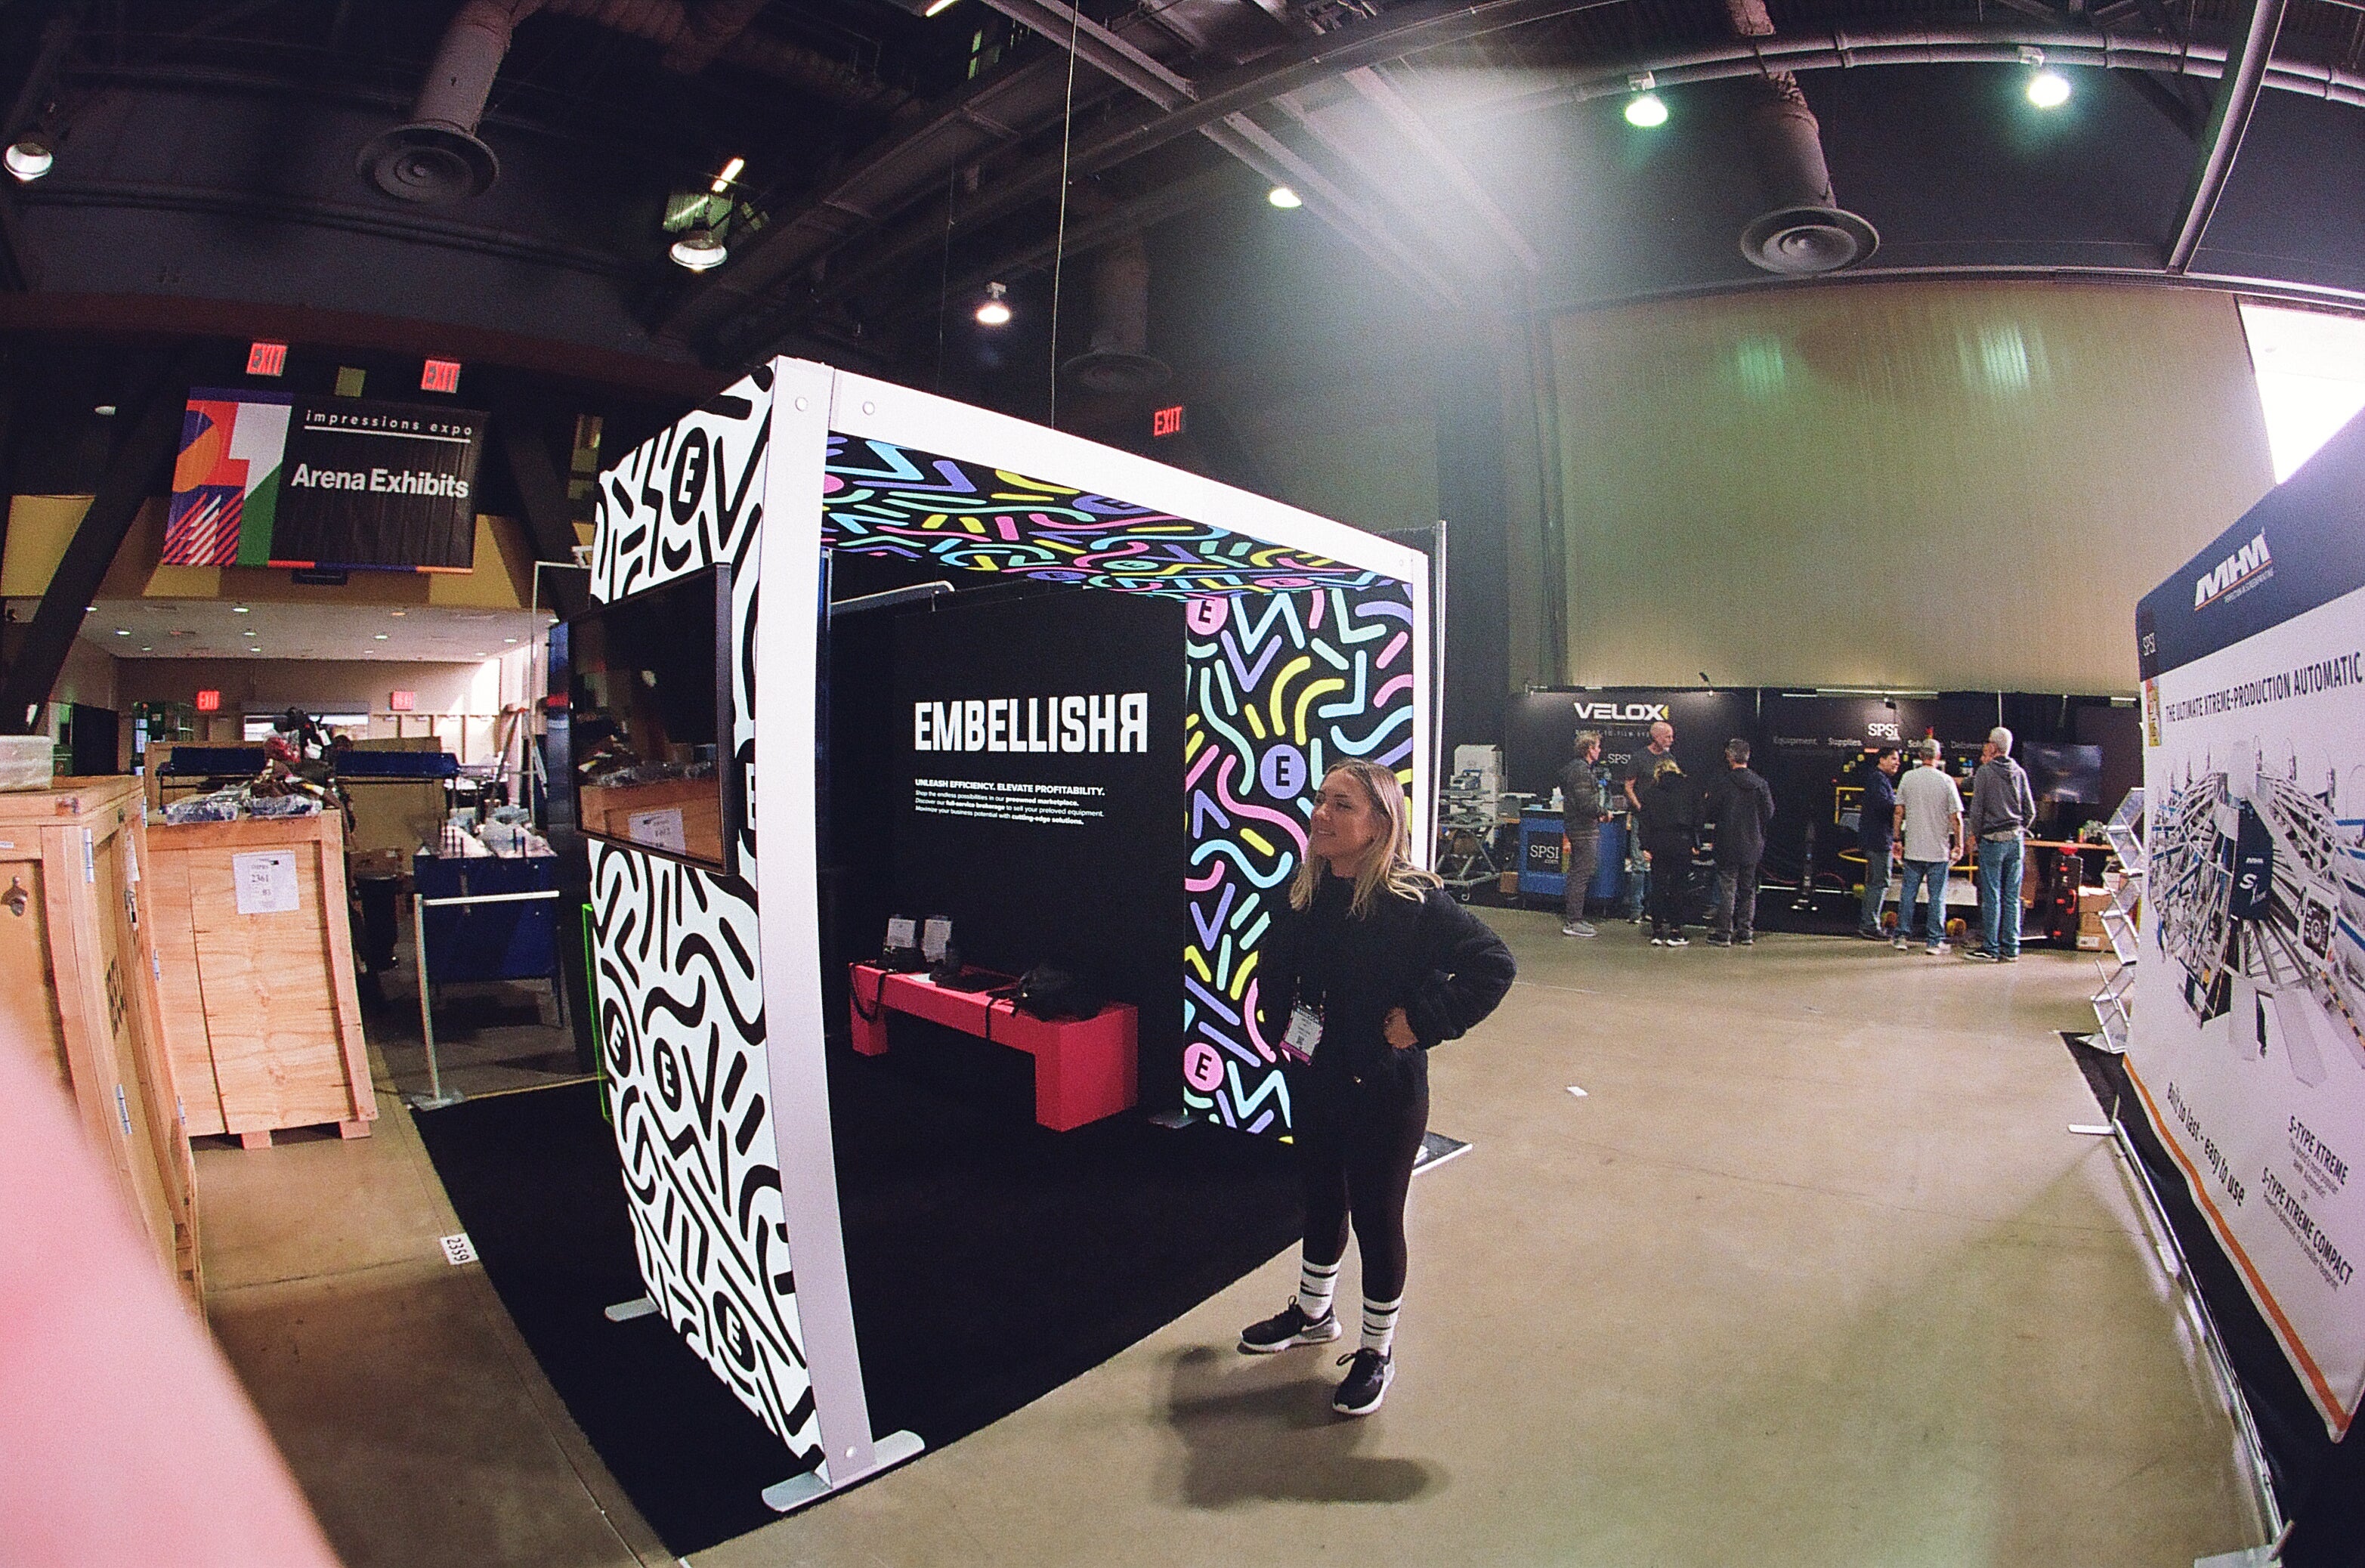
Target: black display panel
x=650, y=720
x=2061, y=772
x=1038, y=795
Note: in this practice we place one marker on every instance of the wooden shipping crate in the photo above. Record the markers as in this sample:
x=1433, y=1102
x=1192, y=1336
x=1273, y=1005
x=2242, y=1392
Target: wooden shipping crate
x=78, y=985
x=262, y=1017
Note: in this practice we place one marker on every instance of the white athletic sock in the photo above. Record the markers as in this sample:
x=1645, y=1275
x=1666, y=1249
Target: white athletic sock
x=1317, y=1283
x=1380, y=1323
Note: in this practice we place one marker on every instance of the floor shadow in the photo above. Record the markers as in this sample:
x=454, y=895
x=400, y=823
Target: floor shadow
x=1262, y=1430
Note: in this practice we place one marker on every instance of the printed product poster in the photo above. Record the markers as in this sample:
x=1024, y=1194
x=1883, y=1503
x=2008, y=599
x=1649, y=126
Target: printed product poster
x=2249, y=1045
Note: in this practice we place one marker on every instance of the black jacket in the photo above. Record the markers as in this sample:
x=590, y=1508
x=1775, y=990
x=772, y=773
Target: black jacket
x=1668, y=816
x=1431, y=957
x=1740, y=803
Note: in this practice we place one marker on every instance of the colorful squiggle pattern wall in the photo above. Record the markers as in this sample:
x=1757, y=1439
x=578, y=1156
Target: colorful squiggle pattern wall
x=1280, y=686
x=879, y=499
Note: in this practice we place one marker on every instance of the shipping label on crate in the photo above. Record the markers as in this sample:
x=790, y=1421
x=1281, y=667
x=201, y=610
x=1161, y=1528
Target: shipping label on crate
x=266, y=880
x=658, y=830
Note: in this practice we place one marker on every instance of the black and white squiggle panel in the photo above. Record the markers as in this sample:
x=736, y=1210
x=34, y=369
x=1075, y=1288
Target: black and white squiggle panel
x=681, y=1001
x=688, y=497
x=682, y=1035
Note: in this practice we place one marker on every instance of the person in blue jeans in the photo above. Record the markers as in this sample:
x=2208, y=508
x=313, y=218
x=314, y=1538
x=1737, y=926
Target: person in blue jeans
x=1876, y=834
x=2002, y=810
x=1929, y=818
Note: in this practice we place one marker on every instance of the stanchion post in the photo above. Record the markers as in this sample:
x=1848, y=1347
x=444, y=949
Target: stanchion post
x=434, y=1099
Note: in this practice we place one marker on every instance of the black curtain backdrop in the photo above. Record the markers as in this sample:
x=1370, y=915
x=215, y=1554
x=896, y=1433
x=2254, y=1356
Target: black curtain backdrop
x=1805, y=744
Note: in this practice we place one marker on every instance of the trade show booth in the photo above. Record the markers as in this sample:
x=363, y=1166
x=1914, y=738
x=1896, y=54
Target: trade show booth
x=2245, y=1049
x=1116, y=775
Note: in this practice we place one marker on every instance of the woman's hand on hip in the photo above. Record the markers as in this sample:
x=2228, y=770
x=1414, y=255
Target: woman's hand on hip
x=1397, y=1030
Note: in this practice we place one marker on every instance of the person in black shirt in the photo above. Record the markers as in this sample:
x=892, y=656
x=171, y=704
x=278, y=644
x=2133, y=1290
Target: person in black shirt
x=1666, y=819
x=1740, y=804
x=1876, y=834
x=1372, y=966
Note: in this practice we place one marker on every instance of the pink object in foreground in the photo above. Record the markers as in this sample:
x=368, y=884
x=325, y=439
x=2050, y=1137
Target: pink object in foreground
x=124, y=1438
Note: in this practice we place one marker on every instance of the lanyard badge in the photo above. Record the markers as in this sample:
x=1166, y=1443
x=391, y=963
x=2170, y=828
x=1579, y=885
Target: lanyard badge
x=1304, y=1035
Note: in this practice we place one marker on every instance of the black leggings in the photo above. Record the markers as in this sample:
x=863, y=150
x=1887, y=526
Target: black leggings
x=1356, y=1144
x=1671, y=881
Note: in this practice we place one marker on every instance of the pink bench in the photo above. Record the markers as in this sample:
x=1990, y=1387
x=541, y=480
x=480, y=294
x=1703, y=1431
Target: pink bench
x=1083, y=1070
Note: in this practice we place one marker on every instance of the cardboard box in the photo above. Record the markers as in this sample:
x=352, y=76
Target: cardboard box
x=1510, y=883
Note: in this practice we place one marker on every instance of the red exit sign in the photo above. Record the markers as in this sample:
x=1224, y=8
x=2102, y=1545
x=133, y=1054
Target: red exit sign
x=266, y=359
x=441, y=376
x=1167, y=421
x=208, y=701
x=401, y=702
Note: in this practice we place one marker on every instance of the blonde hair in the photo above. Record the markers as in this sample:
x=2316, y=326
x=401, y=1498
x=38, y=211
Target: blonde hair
x=1388, y=865
x=1667, y=764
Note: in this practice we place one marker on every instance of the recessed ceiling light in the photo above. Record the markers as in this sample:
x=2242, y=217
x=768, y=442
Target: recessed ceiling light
x=937, y=8
x=509, y=639
x=699, y=251
x=30, y=156
x=146, y=649
x=397, y=614
x=1645, y=110
x=1284, y=198
x=94, y=610
x=381, y=636
x=240, y=609
x=104, y=411
x=123, y=632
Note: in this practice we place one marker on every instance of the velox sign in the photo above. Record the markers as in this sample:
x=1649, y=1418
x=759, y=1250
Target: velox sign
x=2234, y=572
x=1622, y=712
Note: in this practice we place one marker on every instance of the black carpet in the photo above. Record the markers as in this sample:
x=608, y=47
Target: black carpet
x=989, y=1261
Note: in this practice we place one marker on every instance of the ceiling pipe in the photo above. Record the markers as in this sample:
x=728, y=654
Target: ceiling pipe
x=2229, y=118
x=1805, y=231
x=434, y=157
x=703, y=32
x=1845, y=50
x=1119, y=363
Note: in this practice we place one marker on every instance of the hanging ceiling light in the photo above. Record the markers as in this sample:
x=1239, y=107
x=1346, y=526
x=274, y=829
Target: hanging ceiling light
x=699, y=251
x=2049, y=89
x=1284, y=198
x=994, y=311
x=730, y=172
x=30, y=156
x=1645, y=108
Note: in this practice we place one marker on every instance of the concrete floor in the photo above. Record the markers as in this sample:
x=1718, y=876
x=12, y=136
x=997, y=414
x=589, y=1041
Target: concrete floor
x=1813, y=1273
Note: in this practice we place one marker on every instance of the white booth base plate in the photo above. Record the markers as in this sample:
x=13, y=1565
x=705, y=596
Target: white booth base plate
x=787, y=1497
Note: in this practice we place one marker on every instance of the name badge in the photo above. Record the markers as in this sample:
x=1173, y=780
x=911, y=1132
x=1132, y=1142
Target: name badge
x=1304, y=1034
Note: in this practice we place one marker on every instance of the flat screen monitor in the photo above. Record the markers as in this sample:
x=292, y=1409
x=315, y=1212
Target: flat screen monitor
x=649, y=706
x=2057, y=771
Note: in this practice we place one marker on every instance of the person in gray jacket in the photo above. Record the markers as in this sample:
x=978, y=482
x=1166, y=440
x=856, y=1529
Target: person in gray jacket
x=2002, y=808
x=1584, y=803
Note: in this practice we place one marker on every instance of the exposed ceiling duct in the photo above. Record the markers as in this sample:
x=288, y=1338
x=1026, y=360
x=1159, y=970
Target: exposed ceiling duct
x=435, y=157
x=1804, y=231
x=1119, y=361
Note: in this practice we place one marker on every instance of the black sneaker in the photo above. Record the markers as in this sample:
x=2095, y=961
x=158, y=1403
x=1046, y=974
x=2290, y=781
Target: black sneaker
x=1288, y=1327
x=1366, y=1383
x=1719, y=941
x=1745, y=941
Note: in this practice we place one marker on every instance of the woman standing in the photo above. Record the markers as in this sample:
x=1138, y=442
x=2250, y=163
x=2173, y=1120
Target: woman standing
x=1374, y=965
x=1668, y=820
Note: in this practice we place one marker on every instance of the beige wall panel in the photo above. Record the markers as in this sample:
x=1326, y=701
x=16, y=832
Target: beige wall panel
x=1950, y=485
